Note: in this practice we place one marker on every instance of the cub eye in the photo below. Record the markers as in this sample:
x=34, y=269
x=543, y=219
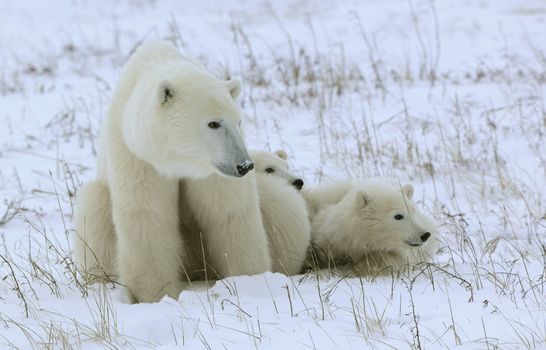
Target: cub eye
x=398, y=217
x=269, y=170
x=214, y=125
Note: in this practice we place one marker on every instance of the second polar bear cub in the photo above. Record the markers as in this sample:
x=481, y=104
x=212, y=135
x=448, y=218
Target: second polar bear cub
x=374, y=226
x=284, y=212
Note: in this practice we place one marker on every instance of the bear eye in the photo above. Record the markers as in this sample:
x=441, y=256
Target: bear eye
x=269, y=170
x=214, y=125
x=398, y=217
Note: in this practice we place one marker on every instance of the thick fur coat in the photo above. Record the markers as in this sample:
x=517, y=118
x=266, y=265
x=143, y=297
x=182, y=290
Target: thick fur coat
x=169, y=119
x=372, y=224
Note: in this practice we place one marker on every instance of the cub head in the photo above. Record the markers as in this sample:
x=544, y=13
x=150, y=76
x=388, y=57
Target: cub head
x=274, y=164
x=185, y=122
x=389, y=219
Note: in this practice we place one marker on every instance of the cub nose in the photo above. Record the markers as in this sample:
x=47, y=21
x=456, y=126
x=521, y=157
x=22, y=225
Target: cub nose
x=425, y=236
x=298, y=183
x=244, y=168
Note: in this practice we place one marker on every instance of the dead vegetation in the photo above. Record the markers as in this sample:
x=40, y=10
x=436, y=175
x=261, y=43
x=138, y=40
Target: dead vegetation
x=471, y=139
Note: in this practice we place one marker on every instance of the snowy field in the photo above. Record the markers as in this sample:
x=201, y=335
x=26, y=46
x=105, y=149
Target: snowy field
x=447, y=94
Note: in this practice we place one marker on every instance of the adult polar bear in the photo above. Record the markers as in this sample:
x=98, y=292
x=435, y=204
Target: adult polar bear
x=169, y=119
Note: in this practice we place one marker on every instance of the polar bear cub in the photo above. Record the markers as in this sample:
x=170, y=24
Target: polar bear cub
x=284, y=211
x=169, y=119
x=373, y=225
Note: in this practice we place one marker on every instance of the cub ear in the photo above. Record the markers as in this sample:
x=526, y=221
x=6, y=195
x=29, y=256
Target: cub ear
x=408, y=191
x=234, y=87
x=165, y=92
x=363, y=199
x=281, y=154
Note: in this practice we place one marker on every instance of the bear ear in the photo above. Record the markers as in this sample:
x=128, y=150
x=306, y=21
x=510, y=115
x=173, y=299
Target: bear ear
x=234, y=87
x=165, y=92
x=281, y=154
x=408, y=191
x=362, y=199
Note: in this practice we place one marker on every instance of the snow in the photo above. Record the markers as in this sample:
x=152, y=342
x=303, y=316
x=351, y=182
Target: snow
x=447, y=94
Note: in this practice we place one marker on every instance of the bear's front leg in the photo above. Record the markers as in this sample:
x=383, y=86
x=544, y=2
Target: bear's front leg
x=239, y=245
x=227, y=212
x=150, y=247
x=95, y=240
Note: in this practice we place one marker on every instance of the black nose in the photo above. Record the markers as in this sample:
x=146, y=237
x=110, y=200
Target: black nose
x=244, y=168
x=298, y=183
x=425, y=236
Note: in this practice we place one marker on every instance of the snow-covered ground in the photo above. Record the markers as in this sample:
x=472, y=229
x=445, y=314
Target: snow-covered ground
x=447, y=94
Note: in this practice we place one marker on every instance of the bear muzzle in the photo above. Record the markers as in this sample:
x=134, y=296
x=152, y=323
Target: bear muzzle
x=418, y=241
x=245, y=167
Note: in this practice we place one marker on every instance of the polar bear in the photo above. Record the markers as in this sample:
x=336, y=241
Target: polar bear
x=284, y=211
x=373, y=225
x=169, y=119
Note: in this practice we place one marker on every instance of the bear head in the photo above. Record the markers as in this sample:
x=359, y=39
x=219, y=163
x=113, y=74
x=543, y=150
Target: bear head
x=275, y=164
x=185, y=122
x=383, y=217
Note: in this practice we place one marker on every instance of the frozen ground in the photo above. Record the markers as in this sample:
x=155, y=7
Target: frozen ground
x=447, y=94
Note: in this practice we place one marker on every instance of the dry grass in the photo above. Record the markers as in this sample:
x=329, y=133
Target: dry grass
x=452, y=133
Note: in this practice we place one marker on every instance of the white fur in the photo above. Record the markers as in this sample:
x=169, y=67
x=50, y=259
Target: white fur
x=93, y=219
x=227, y=212
x=284, y=213
x=357, y=226
x=275, y=162
x=324, y=196
x=155, y=133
